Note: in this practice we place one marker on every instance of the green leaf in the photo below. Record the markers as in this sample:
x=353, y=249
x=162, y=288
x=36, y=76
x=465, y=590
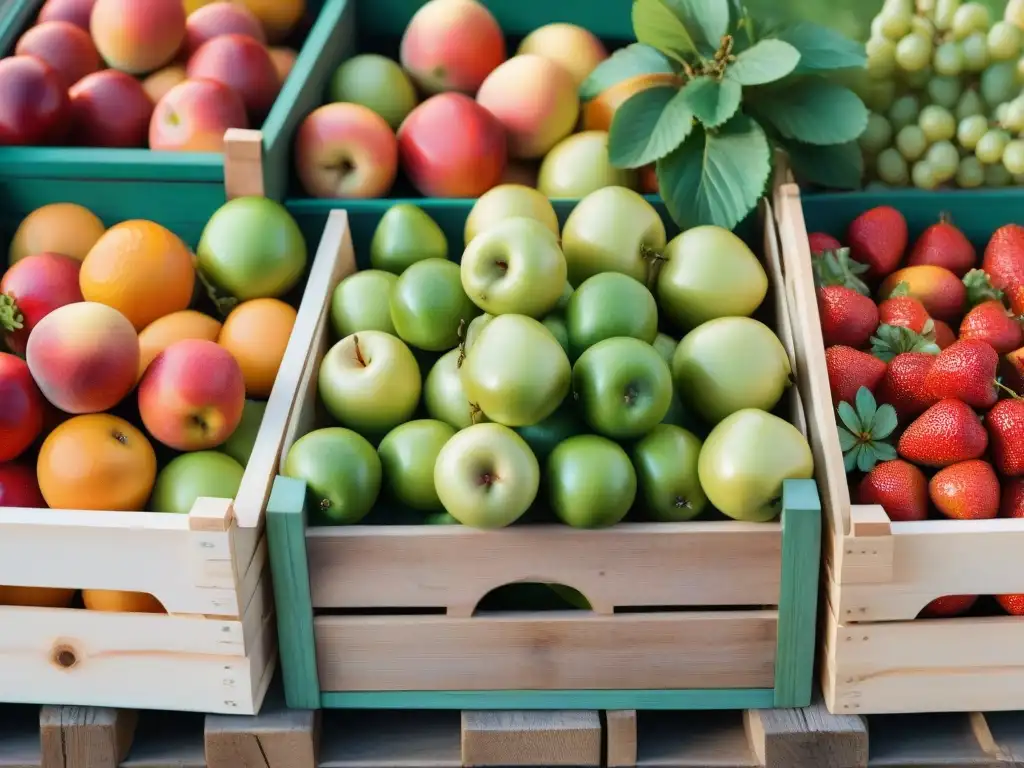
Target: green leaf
x=822, y=49
x=814, y=111
x=766, y=62
x=850, y=459
x=718, y=177
x=867, y=458
x=659, y=26
x=865, y=408
x=648, y=126
x=707, y=21
x=849, y=417
x=839, y=166
x=633, y=60
x=885, y=452
x=846, y=439
x=884, y=423
x=712, y=101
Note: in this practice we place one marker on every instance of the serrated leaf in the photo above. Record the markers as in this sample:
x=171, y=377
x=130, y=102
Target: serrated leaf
x=884, y=423
x=707, y=21
x=838, y=166
x=712, y=101
x=885, y=452
x=865, y=408
x=633, y=60
x=648, y=126
x=813, y=111
x=850, y=459
x=849, y=417
x=846, y=439
x=822, y=49
x=765, y=62
x=867, y=458
x=716, y=178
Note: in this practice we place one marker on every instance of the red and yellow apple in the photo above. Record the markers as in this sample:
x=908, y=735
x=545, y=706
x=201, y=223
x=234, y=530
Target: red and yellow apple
x=78, y=12
x=578, y=50
x=137, y=37
x=33, y=102
x=110, y=109
x=240, y=63
x=161, y=81
x=64, y=46
x=220, y=18
x=193, y=116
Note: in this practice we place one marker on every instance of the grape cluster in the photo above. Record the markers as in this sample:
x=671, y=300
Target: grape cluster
x=944, y=86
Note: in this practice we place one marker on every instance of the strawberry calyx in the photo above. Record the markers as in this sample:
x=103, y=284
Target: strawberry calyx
x=863, y=429
x=980, y=289
x=837, y=268
x=11, y=318
x=892, y=340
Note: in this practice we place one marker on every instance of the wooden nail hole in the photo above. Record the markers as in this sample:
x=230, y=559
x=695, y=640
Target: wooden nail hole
x=64, y=656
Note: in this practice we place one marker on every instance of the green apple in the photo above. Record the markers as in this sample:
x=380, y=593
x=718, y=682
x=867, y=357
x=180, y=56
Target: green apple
x=429, y=305
x=375, y=82
x=370, y=382
x=444, y=395
x=608, y=305
x=472, y=331
x=404, y=235
x=681, y=416
x=623, y=386
x=709, y=273
x=516, y=372
x=556, y=324
x=730, y=363
x=191, y=476
x=665, y=346
x=507, y=201
x=342, y=473
x=239, y=446
x=543, y=436
x=441, y=518
x=611, y=230
x=486, y=476
x=514, y=268
x=408, y=454
x=744, y=460
x=666, y=467
x=563, y=300
x=362, y=302
x=591, y=482
x=579, y=165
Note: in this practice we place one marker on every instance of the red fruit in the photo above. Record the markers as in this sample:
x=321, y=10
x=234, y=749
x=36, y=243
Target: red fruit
x=33, y=102
x=947, y=433
x=847, y=317
x=110, y=109
x=941, y=292
x=36, y=286
x=242, y=64
x=820, y=242
x=900, y=488
x=991, y=323
x=21, y=418
x=948, y=606
x=1004, y=257
x=1011, y=504
x=944, y=335
x=850, y=369
x=1012, y=604
x=966, y=491
x=966, y=371
x=1015, y=298
x=903, y=311
x=1011, y=368
x=943, y=245
x=903, y=386
x=19, y=487
x=878, y=238
x=1005, y=423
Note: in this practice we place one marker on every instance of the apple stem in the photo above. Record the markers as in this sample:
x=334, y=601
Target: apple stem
x=11, y=318
x=682, y=503
x=359, y=352
x=653, y=259
x=630, y=397
x=475, y=412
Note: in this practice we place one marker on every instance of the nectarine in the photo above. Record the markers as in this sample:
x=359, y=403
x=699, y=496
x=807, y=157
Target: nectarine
x=242, y=64
x=161, y=81
x=193, y=116
x=137, y=37
x=64, y=46
x=575, y=48
x=78, y=12
x=33, y=102
x=110, y=109
x=220, y=18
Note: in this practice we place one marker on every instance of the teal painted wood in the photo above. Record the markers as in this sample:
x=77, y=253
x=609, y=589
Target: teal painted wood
x=693, y=699
x=798, y=593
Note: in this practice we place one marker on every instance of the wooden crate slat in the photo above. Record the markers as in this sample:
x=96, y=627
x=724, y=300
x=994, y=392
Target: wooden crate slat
x=516, y=738
x=379, y=739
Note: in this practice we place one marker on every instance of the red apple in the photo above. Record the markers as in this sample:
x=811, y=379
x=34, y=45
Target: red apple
x=21, y=418
x=220, y=18
x=193, y=116
x=346, y=151
x=110, y=109
x=78, y=12
x=33, y=102
x=36, y=286
x=138, y=36
x=64, y=46
x=450, y=146
x=19, y=487
x=243, y=64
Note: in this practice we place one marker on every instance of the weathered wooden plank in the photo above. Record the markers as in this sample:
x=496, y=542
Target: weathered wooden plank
x=531, y=738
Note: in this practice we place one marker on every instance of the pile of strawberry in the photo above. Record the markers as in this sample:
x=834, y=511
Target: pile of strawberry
x=924, y=381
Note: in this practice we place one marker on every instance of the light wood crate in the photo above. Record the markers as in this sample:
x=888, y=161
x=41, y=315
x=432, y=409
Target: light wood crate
x=879, y=574
x=344, y=593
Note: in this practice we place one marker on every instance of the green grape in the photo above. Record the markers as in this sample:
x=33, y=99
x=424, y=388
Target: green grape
x=937, y=123
x=1013, y=156
x=970, y=17
x=1014, y=13
x=923, y=176
x=975, y=47
x=894, y=23
x=877, y=135
x=876, y=27
x=917, y=80
x=923, y=25
x=948, y=59
x=944, y=91
x=999, y=113
x=892, y=168
x=1013, y=115
x=913, y=52
x=996, y=175
x=999, y=83
x=990, y=146
x=1020, y=70
x=881, y=54
x=944, y=12
x=970, y=173
x=911, y=142
x=1003, y=41
x=878, y=95
x=970, y=130
x=970, y=104
x=904, y=111
x=944, y=159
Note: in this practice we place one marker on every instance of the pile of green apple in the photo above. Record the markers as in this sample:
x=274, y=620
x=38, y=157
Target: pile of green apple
x=539, y=376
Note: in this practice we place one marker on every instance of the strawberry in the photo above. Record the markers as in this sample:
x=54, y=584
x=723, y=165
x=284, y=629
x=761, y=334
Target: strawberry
x=966, y=491
x=850, y=369
x=847, y=317
x=1005, y=423
x=948, y=606
x=948, y=432
x=899, y=487
x=943, y=245
x=1012, y=604
x=878, y=238
x=1015, y=298
x=1004, y=257
x=903, y=310
x=942, y=293
x=903, y=386
x=1012, y=502
x=965, y=371
x=944, y=336
x=990, y=322
x=837, y=268
x=820, y=242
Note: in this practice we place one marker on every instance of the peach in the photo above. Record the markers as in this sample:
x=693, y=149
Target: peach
x=220, y=18
x=62, y=45
x=284, y=61
x=78, y=12
x=346, y=151
x=161, y=81
x=84, y=357
x=193, y=116
x=598, y=112
x=138, y=37
x=192, y=395
x=575, y=48
x=64, y=228
x=241, y=63
x=451, y=45
x=110, y=109
x=535, y=99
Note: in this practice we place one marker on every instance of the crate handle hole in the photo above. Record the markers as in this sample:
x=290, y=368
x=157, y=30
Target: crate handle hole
x=532, y=594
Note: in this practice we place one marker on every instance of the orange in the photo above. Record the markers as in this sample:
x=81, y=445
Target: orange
x=96, y=461
x=121, y=602
x=177, y=326
x=256, y=334
x=598, y=112
x=140, y=269
x=40, y=597
x=278, y=17
x=63, y=228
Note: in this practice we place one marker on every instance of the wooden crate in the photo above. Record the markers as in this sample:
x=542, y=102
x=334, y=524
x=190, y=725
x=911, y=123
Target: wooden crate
x=347, y=595
x=215, y=650
x=879, y=574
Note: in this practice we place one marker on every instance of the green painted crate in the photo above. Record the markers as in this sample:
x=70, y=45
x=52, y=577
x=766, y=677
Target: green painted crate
x=717, y=614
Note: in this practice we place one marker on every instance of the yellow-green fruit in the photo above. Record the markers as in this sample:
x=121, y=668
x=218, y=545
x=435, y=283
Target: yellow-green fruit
x=507, y=201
